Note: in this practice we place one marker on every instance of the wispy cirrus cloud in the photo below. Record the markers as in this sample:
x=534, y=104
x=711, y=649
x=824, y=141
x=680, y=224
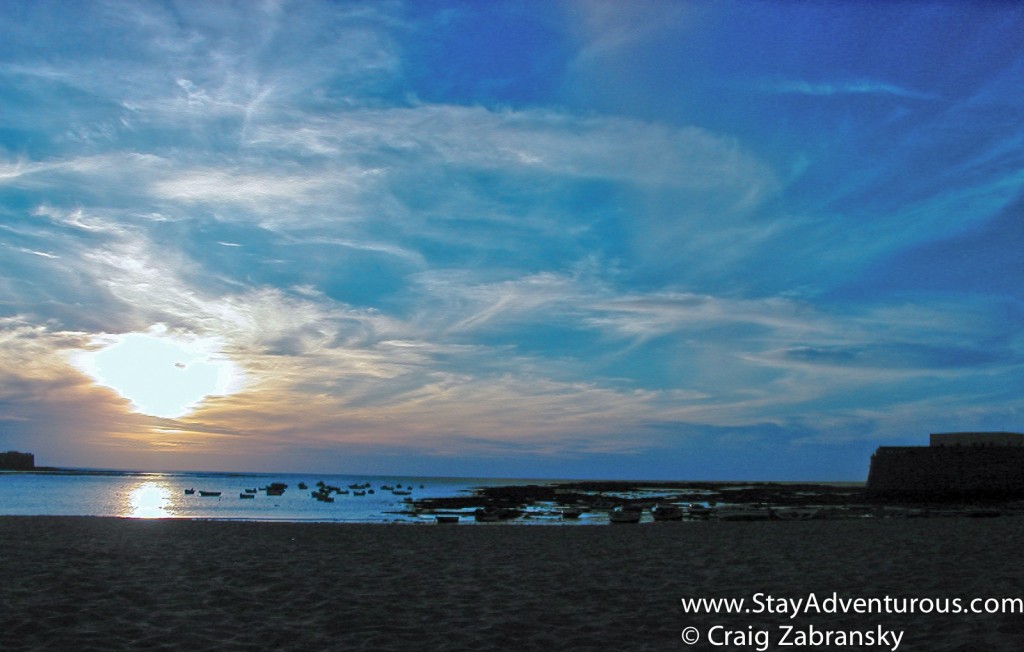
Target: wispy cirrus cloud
x=635, y=252
x=840, y=88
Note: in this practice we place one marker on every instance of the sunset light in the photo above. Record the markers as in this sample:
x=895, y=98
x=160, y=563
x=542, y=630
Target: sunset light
x=505, y=325
x=588, y=239
x=160, y=374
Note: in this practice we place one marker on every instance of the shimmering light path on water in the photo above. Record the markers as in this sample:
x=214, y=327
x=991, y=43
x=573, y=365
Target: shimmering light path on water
x=162, y=495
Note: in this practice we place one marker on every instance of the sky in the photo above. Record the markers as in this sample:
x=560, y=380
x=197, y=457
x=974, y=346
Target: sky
x=623, y=240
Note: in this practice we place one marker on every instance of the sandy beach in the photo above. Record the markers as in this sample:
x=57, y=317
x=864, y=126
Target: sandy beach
x=83, y=583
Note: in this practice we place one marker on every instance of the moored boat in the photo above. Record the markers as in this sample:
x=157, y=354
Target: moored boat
x=276, y=488
x=625, y=515
x=697, y=510
x=667, y=513
x=246, y=494
x=795, y=513
x=209, y=494
x=492, y=514
x=743, y=513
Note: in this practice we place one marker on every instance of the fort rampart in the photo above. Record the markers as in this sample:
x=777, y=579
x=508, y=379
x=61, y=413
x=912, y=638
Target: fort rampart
x=946, y=472
x=15, y=461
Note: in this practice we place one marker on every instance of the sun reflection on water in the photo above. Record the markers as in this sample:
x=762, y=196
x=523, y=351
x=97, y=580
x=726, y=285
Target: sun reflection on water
x=148, y=500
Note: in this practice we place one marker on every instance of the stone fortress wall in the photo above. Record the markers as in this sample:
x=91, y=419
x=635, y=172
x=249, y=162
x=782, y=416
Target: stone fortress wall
x=15, y=461
x=956, y=466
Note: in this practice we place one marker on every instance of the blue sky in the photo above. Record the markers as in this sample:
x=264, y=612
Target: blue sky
x=736, y=240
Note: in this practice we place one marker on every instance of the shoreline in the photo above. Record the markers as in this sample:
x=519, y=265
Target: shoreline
x=92, y=583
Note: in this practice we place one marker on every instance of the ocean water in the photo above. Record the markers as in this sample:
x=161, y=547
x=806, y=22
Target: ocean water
x=162, y=495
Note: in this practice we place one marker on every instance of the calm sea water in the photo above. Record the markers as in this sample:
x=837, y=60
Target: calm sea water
x=162, y=495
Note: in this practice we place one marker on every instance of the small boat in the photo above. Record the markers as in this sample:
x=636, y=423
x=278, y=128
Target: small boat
x=189, y=492
x=667, y=513
x=794, y=513
x=245, y=495
x=386, y=487
x=492, y=514
x=697, y=510
x=743, y=513
x=571, y=514
x=209, y=493
x=446, y=519
x=625, y=515
x=276, y=488
x=322, y=495
x=487, y=515
x=303, y=486
x=250, y=491
x=401, y=492
x=358, y=493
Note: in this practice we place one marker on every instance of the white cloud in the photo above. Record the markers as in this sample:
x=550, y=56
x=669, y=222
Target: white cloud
x=535, y=142
x=221, y=186
x=854, y=87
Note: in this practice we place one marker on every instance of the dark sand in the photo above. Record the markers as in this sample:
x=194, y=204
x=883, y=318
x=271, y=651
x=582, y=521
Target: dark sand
x=71, y=583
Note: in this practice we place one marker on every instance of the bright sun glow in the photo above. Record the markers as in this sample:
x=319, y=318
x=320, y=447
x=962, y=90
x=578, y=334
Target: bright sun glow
x=147, y=500
x=162, y=375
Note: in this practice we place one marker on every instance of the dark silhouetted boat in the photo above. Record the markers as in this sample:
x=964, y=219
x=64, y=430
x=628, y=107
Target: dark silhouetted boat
x=667, y=513
x=625, y=515
x=276, y=488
